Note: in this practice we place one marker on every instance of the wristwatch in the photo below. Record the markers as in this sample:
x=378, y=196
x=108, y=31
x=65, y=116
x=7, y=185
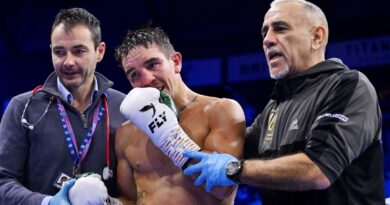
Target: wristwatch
x=233, y=170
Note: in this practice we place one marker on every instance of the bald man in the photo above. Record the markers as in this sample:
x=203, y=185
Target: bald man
x=318, y=140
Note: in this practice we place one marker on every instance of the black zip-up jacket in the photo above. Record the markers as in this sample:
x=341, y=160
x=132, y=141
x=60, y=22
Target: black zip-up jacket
x=331, y=114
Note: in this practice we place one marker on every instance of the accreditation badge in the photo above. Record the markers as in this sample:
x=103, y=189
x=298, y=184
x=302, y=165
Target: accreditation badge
x=62, y=177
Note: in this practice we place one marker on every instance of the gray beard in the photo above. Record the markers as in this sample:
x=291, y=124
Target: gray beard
x=281, y=74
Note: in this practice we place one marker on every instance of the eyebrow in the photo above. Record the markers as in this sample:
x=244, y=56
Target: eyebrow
x=80, y=46
x=280, y=23
x=150, y=60
x=145, y=63
x=74, y=47
x=265, y=28
x=129, y=71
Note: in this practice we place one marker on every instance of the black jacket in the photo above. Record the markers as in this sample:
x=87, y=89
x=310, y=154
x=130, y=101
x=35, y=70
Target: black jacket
x=331, y=114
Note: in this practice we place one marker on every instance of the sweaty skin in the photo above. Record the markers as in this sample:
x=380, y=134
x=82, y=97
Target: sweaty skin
x=146, y=176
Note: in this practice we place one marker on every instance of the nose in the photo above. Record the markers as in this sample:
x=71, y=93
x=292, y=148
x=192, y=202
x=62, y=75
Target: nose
x=147, y=79
x=269, y=39
x=69, y=59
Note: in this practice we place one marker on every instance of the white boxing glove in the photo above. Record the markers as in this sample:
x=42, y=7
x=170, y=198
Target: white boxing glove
x=153, y=112
x=88, y=190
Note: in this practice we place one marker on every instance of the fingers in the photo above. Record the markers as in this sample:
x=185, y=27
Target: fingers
x=192, y=169
x=200, y=179
x=209, y=186
x=68, y=184
x=195, y=154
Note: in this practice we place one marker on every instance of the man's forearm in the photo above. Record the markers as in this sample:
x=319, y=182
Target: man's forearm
x=295, y=173
x=12, y=192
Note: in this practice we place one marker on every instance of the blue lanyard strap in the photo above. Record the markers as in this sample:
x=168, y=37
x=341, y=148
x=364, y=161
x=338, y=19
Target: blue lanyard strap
x=78, y=155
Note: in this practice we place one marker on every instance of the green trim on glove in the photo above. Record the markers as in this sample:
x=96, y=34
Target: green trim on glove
x=168, y=101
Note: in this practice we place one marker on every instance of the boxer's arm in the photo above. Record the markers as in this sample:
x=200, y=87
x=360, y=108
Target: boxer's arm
x=227, y=124
x=125, y=179
x=153, y=112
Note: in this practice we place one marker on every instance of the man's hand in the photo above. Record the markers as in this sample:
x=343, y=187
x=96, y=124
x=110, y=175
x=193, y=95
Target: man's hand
x=212, y=168
x=61, y=198
x=153, y=112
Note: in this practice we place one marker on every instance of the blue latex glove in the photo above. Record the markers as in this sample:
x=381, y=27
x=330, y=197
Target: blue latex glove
x=211, y=168
x=61, y=198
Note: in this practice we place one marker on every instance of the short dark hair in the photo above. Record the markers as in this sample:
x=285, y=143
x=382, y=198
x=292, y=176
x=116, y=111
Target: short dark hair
x=145, y=37
x=76, y=16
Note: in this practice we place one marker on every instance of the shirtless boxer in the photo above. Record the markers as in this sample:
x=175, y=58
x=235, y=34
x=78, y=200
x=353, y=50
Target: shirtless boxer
x=148, y=173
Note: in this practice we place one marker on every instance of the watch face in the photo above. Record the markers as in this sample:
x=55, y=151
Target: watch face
x=232, y=168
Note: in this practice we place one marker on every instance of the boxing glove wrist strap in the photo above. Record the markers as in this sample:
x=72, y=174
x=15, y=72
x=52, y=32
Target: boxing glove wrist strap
x=175, y=144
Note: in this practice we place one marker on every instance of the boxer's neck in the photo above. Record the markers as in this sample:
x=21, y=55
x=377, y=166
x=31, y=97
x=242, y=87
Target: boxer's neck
x=189, y=103
x=185, y=98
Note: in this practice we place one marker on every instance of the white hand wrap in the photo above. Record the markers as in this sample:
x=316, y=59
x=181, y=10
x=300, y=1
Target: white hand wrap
x=89, y=190
x=143, y=108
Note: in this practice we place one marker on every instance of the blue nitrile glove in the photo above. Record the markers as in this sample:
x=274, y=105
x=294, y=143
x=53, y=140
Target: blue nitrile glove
x=61, y=198
x=212, y=168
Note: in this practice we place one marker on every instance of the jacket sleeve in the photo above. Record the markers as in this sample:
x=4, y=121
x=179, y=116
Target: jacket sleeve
x=348, y=122
x=252, y=135
x=14, y=148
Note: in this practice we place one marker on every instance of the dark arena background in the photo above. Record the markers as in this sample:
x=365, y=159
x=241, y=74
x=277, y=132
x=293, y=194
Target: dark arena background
x=220, y=42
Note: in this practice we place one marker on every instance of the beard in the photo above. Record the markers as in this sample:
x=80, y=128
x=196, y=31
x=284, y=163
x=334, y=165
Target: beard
x=280, y=73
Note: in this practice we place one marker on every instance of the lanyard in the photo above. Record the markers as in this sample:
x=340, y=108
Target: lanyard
x=78, y=154
x=107, y=136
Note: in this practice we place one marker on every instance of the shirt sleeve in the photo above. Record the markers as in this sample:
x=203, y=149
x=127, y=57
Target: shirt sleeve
x=349, y=120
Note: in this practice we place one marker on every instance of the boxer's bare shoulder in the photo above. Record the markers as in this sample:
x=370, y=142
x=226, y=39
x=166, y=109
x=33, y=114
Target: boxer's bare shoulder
x=221, y=109
x=221, y=121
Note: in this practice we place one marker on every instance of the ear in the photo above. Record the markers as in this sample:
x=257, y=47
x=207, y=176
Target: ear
x=101, y=49
x=318, y=37
x=177, y=61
